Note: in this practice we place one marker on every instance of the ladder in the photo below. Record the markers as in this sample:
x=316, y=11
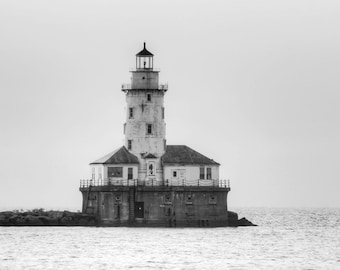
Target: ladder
x=87, y=198
x=131, y=204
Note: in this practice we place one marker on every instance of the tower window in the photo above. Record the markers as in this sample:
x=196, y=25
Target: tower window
x=148, y=97
x=201, y=172
x=130, y=112
x=149, y=129
x=209, y=173
x=129, y=144
x=163, y=113
x=174, y=174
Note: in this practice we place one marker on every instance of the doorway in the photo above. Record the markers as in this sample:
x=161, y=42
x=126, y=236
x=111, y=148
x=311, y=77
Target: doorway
x=139, y=209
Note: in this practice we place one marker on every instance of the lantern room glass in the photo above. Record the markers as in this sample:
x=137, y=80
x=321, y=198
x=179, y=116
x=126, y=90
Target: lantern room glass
x=144, y=62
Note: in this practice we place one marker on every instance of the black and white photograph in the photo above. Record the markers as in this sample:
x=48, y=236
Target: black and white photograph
x=158, y=134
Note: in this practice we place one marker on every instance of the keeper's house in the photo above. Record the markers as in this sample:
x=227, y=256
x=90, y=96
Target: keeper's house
x=147, y=182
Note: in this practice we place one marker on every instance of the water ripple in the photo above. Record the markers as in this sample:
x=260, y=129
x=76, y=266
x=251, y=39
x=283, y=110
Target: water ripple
x=285, y=239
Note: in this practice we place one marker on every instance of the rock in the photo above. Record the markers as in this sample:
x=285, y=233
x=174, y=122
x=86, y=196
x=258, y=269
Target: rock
x=45, y=220
x=55, y=214
x=32, y=220
x=39, y=217
x=245, y=222
x=4, y=219
x=13, y=218
x=68, y=214
x=66, y=220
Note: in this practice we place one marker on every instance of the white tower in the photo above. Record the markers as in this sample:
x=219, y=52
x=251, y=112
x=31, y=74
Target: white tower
x=145, y=127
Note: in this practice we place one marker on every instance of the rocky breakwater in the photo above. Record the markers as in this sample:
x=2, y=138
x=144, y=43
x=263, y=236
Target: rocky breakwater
x=40, y=217
x=233, y=220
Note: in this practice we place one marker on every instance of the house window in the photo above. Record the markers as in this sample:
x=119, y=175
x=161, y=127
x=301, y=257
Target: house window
x=201, y=172
x=149, y=129
x=148, y=97
x=93, y=173
x=129, y=144
x=130, y=112
x=130, y=173
x=99, y=174
x=209, y=173
x=115, y=171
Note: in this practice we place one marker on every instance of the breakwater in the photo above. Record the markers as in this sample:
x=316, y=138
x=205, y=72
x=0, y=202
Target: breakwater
x=40, y=217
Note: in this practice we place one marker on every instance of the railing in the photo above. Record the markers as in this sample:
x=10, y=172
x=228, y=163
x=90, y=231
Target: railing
x=161, y=87
x=144, y=69
x=151, y=183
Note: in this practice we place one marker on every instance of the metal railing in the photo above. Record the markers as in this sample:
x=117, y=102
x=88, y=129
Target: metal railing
x=161, y=87
x=144, y=69
x=153, y=182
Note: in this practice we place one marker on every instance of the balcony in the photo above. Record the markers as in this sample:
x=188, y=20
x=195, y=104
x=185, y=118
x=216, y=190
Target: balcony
x=154, y=183
x=127, y=87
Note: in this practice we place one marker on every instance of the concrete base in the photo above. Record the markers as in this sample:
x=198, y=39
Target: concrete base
x=158, y=206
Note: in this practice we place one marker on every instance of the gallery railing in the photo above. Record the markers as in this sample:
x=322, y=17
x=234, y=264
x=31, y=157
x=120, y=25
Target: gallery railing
x=151, y=183
x=127, y=86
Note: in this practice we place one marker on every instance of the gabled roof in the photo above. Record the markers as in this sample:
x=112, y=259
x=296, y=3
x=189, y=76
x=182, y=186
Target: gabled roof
x=150, y=156
x=184, y=155
x=144, y=52
x=119, y=156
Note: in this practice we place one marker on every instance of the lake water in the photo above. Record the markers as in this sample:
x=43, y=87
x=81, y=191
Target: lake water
x=301, y=238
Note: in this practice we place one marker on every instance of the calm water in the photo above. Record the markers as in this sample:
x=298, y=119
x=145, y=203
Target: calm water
x=285, y=239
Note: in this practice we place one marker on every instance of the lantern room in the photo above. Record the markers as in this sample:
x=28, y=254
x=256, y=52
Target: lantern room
x=144, y=59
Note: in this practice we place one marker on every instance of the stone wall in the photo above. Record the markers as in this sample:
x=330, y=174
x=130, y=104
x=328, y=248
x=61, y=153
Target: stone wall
x=158, y=206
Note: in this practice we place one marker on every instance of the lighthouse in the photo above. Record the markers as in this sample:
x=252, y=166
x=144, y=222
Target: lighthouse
x=144, y=128
x=147, y=182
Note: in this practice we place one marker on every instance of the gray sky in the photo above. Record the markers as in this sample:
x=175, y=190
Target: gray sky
x=252, y=84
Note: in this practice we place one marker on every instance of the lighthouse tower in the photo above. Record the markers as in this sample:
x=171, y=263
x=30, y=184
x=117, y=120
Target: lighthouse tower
x=145, y=127
x=146, y=182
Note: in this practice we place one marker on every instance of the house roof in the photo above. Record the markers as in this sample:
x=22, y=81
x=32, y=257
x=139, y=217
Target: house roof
x=150, y=156
x=144, y=52
x=184, y=155
x=119, y=156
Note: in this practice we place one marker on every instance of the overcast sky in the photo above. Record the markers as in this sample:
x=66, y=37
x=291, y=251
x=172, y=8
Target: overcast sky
x=252, y=84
